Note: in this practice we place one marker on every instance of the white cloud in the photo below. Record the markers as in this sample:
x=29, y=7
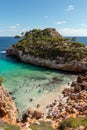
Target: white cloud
x=83, y=24
x=18, y=24
x=13, y=30
x=63, y=31
x=60, y=22
x=70, y=7
x=46, y=17
x=1, y=30
x=73, y=32
x=12, y=27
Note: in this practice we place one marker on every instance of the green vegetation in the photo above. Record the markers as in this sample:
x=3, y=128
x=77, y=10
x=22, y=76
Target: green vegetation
x=73, y=123
x=42, y=126
x=1, y=80
x=73, y=39
x=48, y=43
x=5, y=126
x=17, y=37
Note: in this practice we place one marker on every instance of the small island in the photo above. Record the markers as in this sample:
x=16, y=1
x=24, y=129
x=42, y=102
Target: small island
x=48, y=48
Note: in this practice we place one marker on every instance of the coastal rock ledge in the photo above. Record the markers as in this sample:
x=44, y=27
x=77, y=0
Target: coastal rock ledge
x=48, y=48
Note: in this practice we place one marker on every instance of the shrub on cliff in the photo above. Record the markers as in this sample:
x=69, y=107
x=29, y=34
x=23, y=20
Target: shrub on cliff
x=17, y=37
x=41, y=126
x=73, y=123
x=6, y=126
x=77, y=44
x=1, y=80
x=48, y=43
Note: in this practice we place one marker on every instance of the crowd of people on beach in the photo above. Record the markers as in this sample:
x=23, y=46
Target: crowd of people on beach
x=70, y=106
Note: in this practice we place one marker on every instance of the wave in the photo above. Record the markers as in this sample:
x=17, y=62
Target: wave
x=2, y=52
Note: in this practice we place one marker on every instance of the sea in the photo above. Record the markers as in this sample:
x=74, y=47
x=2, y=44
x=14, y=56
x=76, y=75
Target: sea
x=27, y=82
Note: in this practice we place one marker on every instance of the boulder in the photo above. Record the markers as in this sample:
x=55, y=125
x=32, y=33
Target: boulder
x=77, y=89
x=32, y=114
x=80, y=79
x=74, y=83
x=84, y=85
x=37, y=115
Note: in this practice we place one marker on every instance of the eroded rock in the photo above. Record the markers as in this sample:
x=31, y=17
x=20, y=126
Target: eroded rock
x=8, y=110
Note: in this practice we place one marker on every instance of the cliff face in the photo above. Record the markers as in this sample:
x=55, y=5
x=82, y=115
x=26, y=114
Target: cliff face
x=49, y=49
x=8, y=111
x=75, y=66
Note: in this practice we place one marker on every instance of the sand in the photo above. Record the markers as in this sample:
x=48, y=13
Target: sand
x=47, y=98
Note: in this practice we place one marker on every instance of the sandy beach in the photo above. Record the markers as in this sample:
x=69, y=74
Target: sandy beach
x=47, y=99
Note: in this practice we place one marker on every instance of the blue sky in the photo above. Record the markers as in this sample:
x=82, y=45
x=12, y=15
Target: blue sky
x=69, y=17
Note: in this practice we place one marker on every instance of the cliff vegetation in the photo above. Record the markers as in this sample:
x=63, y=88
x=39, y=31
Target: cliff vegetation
x=74, y=123
x=6, y=126
x=49, y=44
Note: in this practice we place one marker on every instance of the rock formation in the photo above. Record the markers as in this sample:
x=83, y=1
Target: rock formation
x=49, y=49
x=8, y=111
x=72, y=105
x=80, y=83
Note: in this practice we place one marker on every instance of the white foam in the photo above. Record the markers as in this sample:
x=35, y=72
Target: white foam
x=2, y=52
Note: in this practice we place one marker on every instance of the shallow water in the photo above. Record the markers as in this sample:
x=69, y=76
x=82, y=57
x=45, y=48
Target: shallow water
x=26, y=81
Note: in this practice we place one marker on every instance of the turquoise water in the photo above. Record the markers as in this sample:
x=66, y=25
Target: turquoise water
x=26, y=81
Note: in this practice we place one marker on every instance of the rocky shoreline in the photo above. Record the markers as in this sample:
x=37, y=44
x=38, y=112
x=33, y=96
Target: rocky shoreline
x=72, y=66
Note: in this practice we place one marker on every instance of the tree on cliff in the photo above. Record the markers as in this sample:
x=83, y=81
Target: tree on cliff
x=73, y=39
x=17, y=37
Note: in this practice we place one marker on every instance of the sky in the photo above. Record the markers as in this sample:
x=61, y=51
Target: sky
x=69, y=17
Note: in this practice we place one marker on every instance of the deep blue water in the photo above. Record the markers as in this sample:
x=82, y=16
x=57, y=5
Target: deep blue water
x=5, y=42
x=81, y=39
x=28, y=81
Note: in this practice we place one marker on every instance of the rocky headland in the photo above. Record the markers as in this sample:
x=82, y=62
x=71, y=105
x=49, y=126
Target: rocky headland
x=49, y=49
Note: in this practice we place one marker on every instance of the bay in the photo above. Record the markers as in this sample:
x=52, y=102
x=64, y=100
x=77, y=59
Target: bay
x=26, y=81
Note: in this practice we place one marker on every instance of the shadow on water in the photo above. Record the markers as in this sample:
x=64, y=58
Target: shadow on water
x=14, y=60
